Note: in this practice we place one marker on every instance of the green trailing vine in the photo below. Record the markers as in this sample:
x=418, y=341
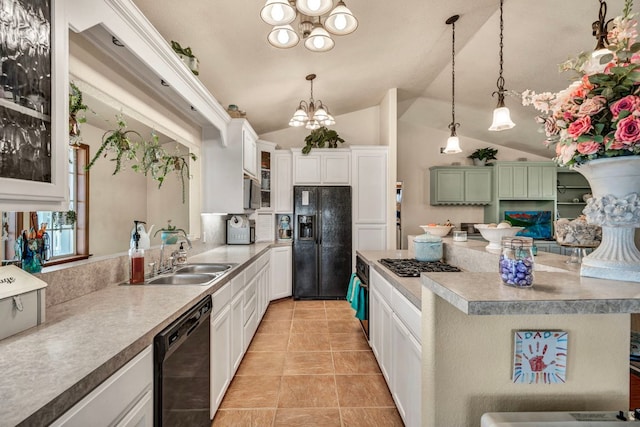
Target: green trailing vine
x=320, y=137
x=117, y=142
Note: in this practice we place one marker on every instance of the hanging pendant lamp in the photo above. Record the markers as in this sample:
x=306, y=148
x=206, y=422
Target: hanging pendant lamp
x=501, y=114
x=312, y=114
x=453, y=143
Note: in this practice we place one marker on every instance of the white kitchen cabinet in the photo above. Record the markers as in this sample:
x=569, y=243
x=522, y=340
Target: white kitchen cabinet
x=281, y=274
x=224, y=167
x=282, y=186
x=220, y=356
x=266, y=174
x=24, y=194
x=329, y=166
x=370, y=182
x=123, y=399
x=265, y=227
x=237, y=329
x=380, y=319
x=369, y=237
x=406, y=369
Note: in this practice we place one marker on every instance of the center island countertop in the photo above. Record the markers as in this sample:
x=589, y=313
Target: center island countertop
x=558, y=287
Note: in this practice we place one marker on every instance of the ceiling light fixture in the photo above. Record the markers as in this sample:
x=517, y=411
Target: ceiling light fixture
x=600, y=30
x=501, y=114
x=313, y=114
x=453, y=143
x=281, y=14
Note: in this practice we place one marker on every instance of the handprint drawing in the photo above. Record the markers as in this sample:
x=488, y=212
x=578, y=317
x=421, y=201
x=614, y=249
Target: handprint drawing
x=540, y=357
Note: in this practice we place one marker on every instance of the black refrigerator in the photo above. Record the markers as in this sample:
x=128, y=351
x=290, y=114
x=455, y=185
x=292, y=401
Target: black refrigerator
x=321, y=242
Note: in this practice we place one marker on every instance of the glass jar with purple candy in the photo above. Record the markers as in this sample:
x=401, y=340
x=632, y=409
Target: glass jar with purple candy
x=516, y=261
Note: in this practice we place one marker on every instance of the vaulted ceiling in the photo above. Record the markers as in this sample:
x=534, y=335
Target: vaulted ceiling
x=402, y=44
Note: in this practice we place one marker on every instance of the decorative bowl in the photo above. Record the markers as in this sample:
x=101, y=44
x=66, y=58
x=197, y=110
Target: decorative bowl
x=494, y=235
x=437, y=230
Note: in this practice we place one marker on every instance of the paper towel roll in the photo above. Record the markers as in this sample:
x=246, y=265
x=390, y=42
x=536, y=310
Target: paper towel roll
x=238, y=221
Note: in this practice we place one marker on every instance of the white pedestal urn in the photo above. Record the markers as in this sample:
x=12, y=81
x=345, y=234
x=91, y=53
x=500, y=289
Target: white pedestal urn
x=615, y=206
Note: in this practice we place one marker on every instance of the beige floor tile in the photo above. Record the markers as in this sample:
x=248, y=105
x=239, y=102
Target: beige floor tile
x=252, y=392
x=309, y=304
x=309, y=327
x=244, y=418
x=359, y=391
x=282, y=314
x=308, y=363
x=344, y=326
x=274, y=327
x=371, y=417
x=308, y=417
x=269, y=342
x=336, y=304
x=350, y=341
x=309, y=342
x=355, y=362
x=307, y=391
x=340, y=314
x=282, y=303
x=262, y=363
x=309, y=314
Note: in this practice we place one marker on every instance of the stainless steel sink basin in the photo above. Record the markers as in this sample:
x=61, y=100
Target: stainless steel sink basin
x=204, y=268
x=182, y=279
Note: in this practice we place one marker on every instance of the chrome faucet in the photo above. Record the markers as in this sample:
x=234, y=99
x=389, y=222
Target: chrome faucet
x=172, y=258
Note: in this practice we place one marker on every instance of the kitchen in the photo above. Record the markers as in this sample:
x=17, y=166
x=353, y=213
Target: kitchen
x=366, y=122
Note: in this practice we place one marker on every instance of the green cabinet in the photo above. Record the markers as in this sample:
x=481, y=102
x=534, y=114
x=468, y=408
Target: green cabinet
x=461, y=185
x=531, y=180
x=572, y=187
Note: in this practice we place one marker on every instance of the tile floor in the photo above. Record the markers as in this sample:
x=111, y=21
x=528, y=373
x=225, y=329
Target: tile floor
x=309, y=364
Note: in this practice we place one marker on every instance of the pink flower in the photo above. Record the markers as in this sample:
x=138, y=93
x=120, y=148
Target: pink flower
x=617, y=145
x=629, y=103
x=592, y=106
x=565, y=152
x=628, y=130
x=579, y=127
x=588, y=147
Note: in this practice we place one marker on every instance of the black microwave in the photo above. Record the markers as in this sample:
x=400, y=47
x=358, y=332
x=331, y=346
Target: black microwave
x=251, y=194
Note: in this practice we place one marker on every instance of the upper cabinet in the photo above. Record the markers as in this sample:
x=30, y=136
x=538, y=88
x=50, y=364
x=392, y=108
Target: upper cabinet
x=530, y=180
x=329, y=166
x=461, y=185
x=282, y=186
x=225, y=167
x=266, y=165
x=34, y=113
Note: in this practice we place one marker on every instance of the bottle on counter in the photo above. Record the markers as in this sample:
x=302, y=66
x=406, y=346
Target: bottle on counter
x=516, y=261
x=136, y=258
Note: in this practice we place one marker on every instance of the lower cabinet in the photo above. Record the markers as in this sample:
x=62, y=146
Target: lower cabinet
x=237, y=324
x=394, y=325
x=124, y=399
x=281, y=275
x=220, y=356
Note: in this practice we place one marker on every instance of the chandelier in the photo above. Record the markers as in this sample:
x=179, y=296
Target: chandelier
x=313, y=114
x=317, y=18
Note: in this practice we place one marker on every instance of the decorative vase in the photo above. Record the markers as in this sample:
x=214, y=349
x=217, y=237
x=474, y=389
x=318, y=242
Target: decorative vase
x=615, y=206
x=479, y=162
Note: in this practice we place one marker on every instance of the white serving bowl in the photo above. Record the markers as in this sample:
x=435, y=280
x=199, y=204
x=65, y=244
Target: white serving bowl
x=494, y=235
x=437, y=230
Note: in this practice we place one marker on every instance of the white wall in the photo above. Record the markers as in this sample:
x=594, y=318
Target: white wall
x=418, y=150
x=389, y=137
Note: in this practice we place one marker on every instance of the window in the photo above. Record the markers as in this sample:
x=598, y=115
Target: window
x=68, y=237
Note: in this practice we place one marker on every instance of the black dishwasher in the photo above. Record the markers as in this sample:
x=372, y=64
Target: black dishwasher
x=182, y=370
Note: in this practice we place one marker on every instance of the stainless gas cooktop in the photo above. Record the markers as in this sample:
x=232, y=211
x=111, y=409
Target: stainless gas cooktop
x=413, y=268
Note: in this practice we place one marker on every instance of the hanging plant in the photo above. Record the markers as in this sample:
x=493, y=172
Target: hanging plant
x=119, y=143
x=320, y=137
x=187, y=56
x=75, y=106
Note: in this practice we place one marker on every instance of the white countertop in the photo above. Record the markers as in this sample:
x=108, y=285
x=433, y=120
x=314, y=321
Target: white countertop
x=558, y=288
x=46, y=369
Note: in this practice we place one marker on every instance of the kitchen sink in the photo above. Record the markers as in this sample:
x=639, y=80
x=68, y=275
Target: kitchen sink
x=204, y=268
x=182, y=279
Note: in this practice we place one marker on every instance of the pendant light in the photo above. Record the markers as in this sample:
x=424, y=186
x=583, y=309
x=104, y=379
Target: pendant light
x=453, y=143
x=600, y=31
x=501, y=114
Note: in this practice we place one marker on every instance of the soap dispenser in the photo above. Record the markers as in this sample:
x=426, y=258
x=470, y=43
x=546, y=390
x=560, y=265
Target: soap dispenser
x=182, y=254
x=136, y=258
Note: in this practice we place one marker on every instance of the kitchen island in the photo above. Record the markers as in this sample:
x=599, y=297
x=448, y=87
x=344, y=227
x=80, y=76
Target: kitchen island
x=468, y=325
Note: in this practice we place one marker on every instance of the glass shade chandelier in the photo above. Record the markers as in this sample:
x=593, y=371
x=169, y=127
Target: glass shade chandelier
x=501, y=114
x=453, y=143
x=601, y=29
x=317, y=18
x=312, y=114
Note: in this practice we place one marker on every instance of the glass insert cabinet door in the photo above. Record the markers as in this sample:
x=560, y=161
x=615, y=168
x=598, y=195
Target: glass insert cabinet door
x=33, y=51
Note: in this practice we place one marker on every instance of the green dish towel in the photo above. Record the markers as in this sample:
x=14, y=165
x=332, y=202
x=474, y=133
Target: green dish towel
x=351, y=289
x=356, y=296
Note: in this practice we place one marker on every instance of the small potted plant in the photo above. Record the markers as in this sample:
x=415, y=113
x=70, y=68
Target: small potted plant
x=187, y=56
x=76, y=106
x=320, y=137
x=481, y=155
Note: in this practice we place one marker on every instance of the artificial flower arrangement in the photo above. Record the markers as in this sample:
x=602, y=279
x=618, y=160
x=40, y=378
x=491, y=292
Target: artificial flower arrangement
x=597, y=116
